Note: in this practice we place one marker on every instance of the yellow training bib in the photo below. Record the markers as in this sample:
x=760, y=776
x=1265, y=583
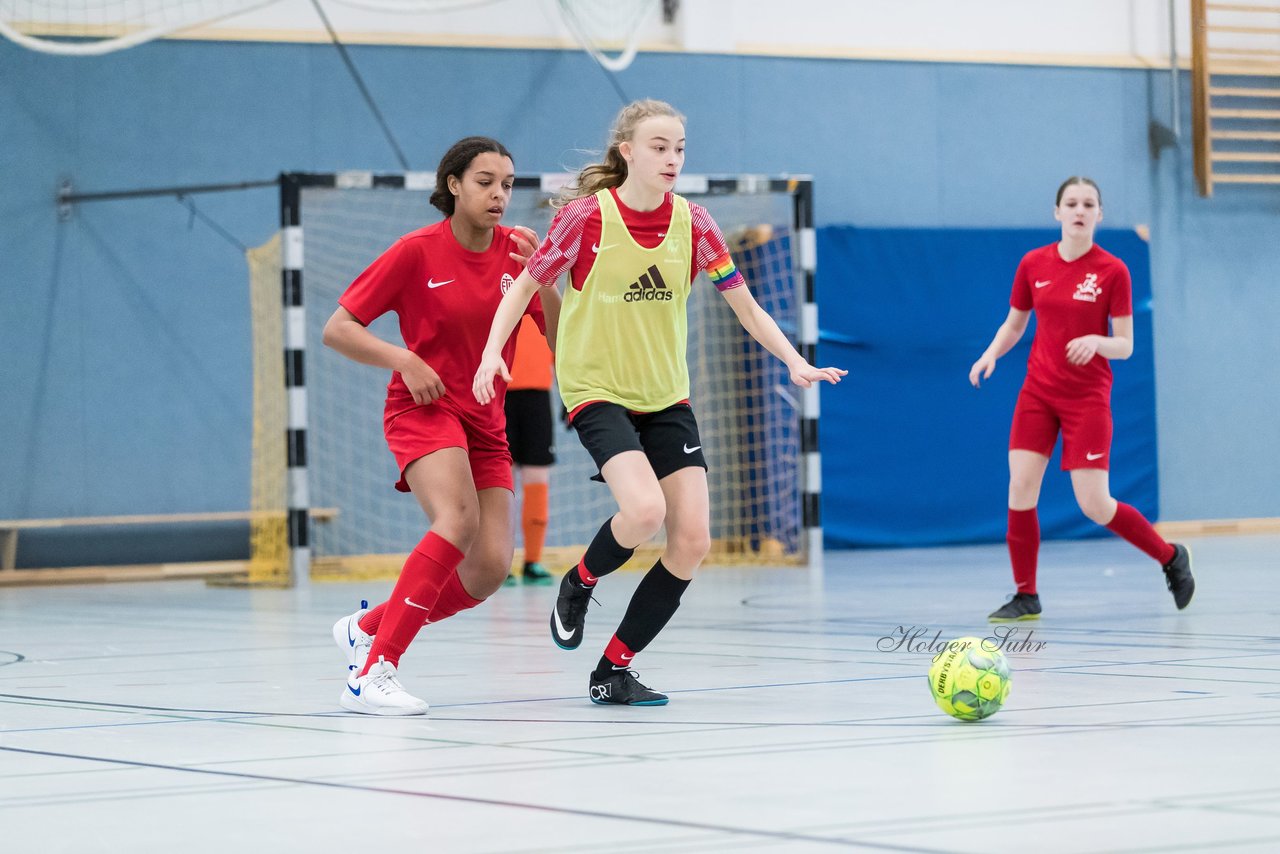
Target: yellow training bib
x=623, y=337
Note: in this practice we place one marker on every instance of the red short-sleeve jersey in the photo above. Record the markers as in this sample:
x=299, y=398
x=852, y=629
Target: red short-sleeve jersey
x=1070, y=299
x=445, y=297
x=574, y=239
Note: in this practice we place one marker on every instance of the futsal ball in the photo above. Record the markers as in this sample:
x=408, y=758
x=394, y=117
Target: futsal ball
x=970, y=679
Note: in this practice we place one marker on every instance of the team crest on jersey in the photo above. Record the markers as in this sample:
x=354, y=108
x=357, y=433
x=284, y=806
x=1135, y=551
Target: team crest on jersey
x=1088, y=290
x=506, y=283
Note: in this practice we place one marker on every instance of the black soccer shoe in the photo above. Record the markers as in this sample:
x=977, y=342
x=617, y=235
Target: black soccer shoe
x=622, y=688
x=1178, y=577
x=569, y=616
x=1021, y=606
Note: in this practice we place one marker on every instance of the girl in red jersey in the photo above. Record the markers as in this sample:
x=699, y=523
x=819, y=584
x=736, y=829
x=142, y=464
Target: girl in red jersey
x=1074, y=286
x=632, y=249
x=444, y=282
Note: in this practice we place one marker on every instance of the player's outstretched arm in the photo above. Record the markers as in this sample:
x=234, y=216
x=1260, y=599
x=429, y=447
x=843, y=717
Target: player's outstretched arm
x=510, y=310
x=1009, y=333
x=765, y=330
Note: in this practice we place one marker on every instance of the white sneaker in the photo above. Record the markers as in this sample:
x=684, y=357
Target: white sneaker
x=379, y=692
x=354, y=642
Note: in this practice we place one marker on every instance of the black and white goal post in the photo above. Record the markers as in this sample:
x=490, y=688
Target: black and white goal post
x=295, y=353
x=810, y=407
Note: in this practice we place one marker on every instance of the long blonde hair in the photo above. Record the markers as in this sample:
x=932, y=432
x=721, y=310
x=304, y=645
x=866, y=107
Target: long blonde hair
x=612, y=170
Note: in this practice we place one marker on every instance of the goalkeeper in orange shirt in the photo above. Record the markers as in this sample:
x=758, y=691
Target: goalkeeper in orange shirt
x=530, y=435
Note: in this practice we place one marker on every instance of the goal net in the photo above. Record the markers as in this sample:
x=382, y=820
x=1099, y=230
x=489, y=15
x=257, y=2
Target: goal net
x=95, y=27
x=758, y=431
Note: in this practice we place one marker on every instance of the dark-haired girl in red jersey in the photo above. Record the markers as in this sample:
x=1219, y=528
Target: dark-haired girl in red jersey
x=1074, y=286
x=444, y=282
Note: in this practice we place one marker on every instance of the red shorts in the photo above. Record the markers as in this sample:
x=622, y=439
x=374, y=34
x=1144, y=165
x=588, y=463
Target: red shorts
x=1085, y=425
x=414, y=433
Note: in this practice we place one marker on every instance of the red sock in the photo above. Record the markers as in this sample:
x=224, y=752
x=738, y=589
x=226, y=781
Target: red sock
x=618, y=653
x=588, y=580
x=453, y=598
x=1023, y=538
x=425, y=573
x=1135, y=528
x=372, y=619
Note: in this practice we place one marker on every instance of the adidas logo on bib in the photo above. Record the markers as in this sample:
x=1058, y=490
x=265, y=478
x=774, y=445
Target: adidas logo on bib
x=648, y=288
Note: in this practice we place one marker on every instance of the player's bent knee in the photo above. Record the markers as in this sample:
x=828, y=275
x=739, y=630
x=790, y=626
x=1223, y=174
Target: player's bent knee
x=646, y=515
x=491, y=568
x=1023, y=500
x=459, y=525
x=691, y=546
x=1023, y=492
x=1099, y=512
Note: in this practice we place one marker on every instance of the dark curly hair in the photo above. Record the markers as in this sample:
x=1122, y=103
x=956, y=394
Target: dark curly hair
x=456, y=161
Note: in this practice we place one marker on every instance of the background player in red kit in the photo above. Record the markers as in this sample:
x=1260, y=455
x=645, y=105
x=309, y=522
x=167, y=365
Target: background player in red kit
x=632, y=248
x=444, y=282
x=1074, y=286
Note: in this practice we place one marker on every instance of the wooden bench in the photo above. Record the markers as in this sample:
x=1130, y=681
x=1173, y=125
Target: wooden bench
x=10, y=528
x=1217, y=527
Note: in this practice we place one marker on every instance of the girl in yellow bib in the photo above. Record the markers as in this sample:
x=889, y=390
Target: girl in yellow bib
x=632, y=249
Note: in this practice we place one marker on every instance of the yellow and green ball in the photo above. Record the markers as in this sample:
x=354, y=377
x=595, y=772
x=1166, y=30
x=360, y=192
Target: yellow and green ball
x=970, y=679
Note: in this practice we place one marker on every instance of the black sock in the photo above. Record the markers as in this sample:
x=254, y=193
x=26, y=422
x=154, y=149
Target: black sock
x=652, y=605
x=603, y=556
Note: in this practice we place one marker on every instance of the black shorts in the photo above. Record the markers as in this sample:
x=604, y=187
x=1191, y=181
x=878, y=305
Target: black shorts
x=669, y=438
x=529, y=430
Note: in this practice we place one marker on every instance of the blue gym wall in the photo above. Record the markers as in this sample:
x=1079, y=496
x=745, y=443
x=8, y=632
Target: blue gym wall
x=124, y=343
x=920, y=453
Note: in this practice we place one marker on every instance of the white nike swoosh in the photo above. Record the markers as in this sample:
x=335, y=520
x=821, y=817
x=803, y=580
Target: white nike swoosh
x=1094, y=456
x=1044, y=284
x=432, y=284
x=413, y=604
x=596, y=247
x=565, y=634
x=626, y=657
x=689, y=450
